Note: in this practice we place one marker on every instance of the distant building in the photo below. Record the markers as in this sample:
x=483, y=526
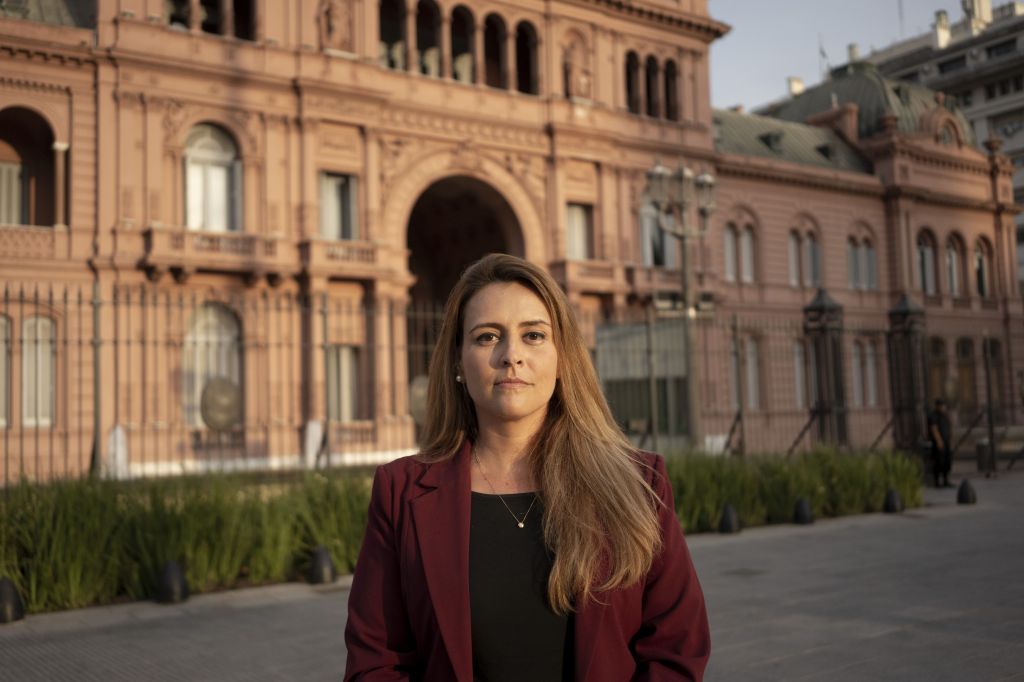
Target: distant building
x=219, y=220
x=978, y=62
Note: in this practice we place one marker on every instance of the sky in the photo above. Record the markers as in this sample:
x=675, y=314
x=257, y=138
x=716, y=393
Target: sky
x=773, y=39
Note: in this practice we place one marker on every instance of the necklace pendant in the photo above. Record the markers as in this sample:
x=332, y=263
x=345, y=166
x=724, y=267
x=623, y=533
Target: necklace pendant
x=520, y=524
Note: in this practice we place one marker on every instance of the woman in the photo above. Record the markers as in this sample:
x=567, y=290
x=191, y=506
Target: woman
x=528, y=540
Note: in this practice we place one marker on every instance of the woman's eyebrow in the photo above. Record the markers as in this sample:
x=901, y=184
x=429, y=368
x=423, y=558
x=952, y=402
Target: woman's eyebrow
x=496, y=325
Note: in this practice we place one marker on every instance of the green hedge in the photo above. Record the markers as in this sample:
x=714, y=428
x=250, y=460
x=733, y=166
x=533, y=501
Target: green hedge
x=74, y=544
x=764, y=489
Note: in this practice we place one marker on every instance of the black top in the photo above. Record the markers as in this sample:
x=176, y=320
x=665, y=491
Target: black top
x=941, y=420
x=516, y=636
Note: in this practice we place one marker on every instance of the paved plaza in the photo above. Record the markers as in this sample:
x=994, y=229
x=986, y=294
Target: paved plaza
x=933, y=594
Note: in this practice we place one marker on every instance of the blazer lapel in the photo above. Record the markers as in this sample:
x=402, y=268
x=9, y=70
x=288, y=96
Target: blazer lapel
x=441, y=518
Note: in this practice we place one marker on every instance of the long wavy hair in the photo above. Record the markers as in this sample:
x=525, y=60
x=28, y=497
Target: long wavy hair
x=600, y=515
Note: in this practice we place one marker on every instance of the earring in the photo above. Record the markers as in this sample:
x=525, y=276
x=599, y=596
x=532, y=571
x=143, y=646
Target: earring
x=458, y=378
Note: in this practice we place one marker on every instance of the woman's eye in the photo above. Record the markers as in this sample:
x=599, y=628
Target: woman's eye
x=486, y=337
x=535, y=336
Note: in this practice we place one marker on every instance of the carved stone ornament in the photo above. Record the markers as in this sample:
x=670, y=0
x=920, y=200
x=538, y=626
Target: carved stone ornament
x=174, y=115
x=221, y=404
x=335, y=24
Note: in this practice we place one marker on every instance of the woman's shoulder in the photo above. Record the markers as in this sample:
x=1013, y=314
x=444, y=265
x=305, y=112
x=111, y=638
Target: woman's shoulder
x=650, y=463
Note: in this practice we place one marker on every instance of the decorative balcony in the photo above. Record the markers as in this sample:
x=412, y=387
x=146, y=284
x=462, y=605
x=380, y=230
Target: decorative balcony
x=32, y=242
x=651, y=281
x=593, y=276
x=340, y=258
x=184, y=251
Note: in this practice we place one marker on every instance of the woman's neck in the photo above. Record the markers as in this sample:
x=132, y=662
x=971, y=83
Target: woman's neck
x=502, y=461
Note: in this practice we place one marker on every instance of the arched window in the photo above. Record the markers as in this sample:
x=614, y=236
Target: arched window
x=745, y=352
x=671, y=91
x=983, y=269
x=428, y=38
x=526, y=58
x=926, y=263
x=5, y=371
x=955, y=267
x=495, y=68
x=794, y=244
x=967, y=388
x=213, y=348
x=868, y=266
x=857, y=374
x=730, y=236
x=28, y=192
x=651, y=86
x=213, y=181
x=38, y=376
x=658, y=247
x=392, y=34
x=462, y=45
x=747, y=255
x=853, y=269
x=632, y=82
x=811, y=261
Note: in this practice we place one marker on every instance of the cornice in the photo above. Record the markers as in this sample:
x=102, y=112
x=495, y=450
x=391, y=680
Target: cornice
x=33, y=85
x=822, y=178
x=47, y=54
x=705, y=27
x=923, y=195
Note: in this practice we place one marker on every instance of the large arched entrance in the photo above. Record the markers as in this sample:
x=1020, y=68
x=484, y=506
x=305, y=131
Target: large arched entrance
x=454, y=222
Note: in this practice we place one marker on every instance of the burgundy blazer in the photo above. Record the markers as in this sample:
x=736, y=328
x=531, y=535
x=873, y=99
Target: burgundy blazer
x=408, y=609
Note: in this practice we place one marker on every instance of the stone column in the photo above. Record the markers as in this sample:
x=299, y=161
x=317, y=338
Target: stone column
x=446, y=46
x=906, y=373
x=194, y=13
x=510, y=60
x=227, y=18
x=823, y=327
x=479, y=58
x=60, y=183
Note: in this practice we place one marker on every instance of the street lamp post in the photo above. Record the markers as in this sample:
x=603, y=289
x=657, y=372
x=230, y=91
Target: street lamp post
x=673, y=194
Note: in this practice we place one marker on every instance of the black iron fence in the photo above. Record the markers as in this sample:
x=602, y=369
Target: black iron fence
x=147, y=381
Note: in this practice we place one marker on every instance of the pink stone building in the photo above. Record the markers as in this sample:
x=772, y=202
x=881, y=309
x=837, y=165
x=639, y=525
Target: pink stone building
x=267, y=192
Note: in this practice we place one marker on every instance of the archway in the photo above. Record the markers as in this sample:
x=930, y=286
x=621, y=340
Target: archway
x=457, y=220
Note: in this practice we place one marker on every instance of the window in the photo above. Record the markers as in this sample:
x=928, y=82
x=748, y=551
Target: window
x=494, y=52
x=734, y=374
x=799, y=376
x=871, y=374
x=212, y=348
x=338, y=206
x=983, y=269
x=955, y=64
x=794, y=259
x=857, y=374
x=213, y=181
x=462, y=45
x=747, y=255
x=343, y=383
x=954, y=267
x=428, y=38
x=580, y=242
x=671, y=91
x=5, y=370
x=926, y=264
x=869, y=266
x=853, y=273
x=753, y=375
x=730, y=253
x=526, y=58
x=651, y=86
x=812, y=261
x=633, y=83
x=1000, y=49
x=659, y=247
x=38, y=351
x=392, y=34
x=11, y=190
x=245, y=19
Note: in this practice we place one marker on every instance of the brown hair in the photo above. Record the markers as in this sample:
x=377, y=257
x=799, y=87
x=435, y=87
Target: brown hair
x=600, y=513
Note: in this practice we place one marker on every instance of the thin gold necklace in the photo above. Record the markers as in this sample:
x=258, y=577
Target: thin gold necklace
x=519, y=522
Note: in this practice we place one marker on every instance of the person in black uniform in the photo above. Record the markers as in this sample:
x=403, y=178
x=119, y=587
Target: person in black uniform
x=939, y=433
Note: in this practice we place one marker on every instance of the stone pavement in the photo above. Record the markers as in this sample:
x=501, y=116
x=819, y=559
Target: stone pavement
x=934, y=594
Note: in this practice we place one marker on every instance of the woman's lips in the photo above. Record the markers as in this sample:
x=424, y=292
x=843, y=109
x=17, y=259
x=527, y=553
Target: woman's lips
x=510, y=382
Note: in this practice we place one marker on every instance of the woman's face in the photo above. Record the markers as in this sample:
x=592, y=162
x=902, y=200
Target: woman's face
x=508, y=363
